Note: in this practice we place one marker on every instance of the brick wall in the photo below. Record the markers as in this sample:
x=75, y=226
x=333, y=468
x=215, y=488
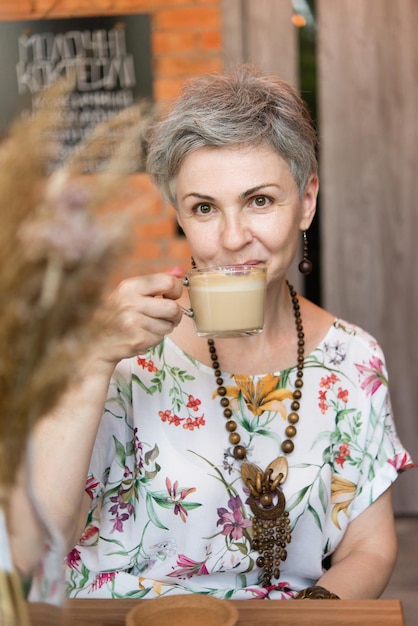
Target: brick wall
x=186, y=41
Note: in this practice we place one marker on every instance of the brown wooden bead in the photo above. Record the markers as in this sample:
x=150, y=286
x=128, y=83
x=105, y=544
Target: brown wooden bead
x=266, y=499
x=290, y=431
x=234, y=438
x=240, y=452
x=297, y=394
x=305, y=266
x=224, y=402
x=221, y=391
x=293, y=418
x=288, y=446
x=227, y=413
x=231, y=426
x=295, y=405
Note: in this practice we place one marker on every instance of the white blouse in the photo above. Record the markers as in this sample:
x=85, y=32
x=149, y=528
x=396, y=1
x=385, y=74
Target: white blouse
x=169, y=510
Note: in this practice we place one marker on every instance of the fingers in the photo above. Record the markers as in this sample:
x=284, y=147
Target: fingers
x=138, y=314
x=177, y=271
x=148, y=293
x=158, y=311
x=166, y=285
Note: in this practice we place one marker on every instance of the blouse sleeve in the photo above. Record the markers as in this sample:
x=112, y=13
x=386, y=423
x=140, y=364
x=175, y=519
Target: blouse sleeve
x=383, y=455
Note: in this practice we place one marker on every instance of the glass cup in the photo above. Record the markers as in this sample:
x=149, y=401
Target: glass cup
x=227, y=301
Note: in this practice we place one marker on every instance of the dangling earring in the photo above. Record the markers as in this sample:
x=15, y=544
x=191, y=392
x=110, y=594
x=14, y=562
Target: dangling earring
x=305, y=266
x=193, y=263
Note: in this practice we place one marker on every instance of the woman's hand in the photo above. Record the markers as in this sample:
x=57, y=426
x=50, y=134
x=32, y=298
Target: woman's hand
x=137, y=316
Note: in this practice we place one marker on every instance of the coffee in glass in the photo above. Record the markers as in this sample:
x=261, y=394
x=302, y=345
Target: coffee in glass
x=227, y=301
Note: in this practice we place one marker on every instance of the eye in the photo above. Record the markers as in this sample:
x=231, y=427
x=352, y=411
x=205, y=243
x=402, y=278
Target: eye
x=203, y=208
x=261, y=201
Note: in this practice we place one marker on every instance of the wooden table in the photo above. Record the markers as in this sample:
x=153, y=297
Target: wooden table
x=96, y=612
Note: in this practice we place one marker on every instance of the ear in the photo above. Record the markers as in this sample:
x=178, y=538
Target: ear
x=309, y=202
x=179, y=222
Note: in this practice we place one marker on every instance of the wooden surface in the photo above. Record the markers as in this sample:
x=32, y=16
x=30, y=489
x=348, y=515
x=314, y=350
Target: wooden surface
x=251, y=613
x=368, y=102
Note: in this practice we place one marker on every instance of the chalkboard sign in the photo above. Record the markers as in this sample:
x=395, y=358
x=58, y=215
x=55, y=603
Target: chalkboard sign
x=109, y=57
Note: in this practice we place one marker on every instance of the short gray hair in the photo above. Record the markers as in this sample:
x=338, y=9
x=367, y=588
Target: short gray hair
x=227, y=110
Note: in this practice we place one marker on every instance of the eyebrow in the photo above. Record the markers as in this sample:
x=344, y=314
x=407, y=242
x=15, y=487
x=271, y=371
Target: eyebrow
x=249, y=192
x=199, y=196
x=242, y=196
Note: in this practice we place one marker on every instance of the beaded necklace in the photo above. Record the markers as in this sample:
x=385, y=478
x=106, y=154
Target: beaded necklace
x=271, y=524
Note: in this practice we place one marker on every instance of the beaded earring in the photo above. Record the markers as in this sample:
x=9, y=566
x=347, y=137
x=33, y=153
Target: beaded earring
x=305, y=266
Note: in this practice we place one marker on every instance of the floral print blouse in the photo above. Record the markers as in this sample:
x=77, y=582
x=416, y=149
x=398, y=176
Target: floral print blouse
x=169, y=510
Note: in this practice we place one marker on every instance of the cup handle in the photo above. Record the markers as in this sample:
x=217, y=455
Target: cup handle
x=188, y=312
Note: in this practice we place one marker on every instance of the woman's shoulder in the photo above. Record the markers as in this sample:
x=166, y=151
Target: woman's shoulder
x=353, y=333
x=352, y=351
x=324, y=329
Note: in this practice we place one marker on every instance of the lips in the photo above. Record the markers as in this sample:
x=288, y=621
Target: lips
x=249, y=262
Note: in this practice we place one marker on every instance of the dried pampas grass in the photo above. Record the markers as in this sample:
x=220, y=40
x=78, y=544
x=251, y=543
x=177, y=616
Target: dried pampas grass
x=58, y=249
x=57, y=252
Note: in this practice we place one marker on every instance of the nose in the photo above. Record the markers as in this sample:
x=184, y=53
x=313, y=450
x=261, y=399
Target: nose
x=236, y=232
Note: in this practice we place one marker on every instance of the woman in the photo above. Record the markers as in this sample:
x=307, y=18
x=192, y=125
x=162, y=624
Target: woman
x=166, y=508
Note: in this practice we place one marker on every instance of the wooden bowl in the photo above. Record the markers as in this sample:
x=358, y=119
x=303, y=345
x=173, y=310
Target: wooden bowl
x=183, y=610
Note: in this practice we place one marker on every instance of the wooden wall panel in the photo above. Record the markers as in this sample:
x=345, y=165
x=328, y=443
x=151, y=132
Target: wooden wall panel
x=368, y=104
x=261, y=33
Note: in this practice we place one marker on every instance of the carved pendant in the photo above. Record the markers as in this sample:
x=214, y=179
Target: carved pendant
x=271, y=524
x=266, y=500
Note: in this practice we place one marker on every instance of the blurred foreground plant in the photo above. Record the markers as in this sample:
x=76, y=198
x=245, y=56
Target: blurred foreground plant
x=57, y=252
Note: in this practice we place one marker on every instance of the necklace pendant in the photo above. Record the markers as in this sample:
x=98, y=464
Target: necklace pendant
x=271, y=524
x=278, y=470
x=260, y=482
x=266, y=498
x=270, y=540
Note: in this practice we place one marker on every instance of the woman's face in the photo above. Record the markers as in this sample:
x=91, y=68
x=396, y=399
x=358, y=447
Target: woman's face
x=241, y=206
